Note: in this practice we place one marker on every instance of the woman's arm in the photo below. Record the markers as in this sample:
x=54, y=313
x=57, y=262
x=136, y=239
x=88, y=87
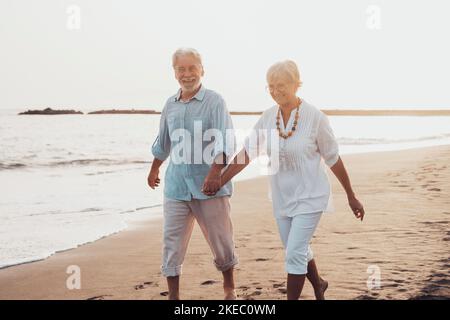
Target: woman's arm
x=340, y=173
x=239, y=162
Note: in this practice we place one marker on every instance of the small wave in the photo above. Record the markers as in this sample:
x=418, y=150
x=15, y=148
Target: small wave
x=99, y=173
x=74, y=163
x=366, y=141
x=101, y=162
x=141, y=208
x=10, y=166
x=60, y=212
x=40, y=256
x=80, y=162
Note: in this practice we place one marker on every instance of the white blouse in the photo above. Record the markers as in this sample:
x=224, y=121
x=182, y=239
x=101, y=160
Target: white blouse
x=299, y=180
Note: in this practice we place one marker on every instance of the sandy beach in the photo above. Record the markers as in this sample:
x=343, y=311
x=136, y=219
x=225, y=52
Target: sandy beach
x=405, y=235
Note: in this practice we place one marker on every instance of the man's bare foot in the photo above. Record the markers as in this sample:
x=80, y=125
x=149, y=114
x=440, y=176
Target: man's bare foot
x=320, y=295
x=230, y=294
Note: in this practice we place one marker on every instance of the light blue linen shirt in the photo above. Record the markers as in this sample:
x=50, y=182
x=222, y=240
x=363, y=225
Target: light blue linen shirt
x=184, y=179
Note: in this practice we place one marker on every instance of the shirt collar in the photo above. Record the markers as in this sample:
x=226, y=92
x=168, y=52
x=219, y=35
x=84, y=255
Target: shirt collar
x=199, y=95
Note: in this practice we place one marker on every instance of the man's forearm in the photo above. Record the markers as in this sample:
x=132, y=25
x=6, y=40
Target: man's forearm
x=156, y=163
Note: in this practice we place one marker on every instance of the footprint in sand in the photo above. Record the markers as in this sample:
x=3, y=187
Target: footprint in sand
x=249, y=296
x=209, y=282
x=99, y=297
x=278, y=285
x=255, y=293
x=440, y=275
x=282, y=290
x=429, y=297
x=441, y=222
x=365, y=297
x=145, y=285
x=262, y=259
x=355, y=258
x=443, y=282
x=399, y=281
x=164, y=293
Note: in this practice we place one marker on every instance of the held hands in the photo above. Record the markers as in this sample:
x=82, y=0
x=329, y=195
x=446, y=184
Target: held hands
x=153, y=179
x=356, y=207
x=212, y=183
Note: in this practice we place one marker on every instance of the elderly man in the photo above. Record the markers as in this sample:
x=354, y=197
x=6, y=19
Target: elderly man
x=187, y=118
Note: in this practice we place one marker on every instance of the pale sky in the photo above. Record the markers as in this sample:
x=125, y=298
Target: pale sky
x=351, y=53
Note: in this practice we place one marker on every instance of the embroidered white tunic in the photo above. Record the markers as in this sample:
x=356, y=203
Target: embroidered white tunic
x=299, y=183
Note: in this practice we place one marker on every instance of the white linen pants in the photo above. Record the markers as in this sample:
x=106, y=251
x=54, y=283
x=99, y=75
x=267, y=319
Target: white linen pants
x=296, y=232
x=213, y=217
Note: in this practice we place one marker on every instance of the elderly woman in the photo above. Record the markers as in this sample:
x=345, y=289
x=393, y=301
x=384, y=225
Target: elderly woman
x=300, y=188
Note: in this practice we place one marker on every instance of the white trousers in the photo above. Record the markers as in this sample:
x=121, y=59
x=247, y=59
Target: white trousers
x=213, y=217
x=296, y=233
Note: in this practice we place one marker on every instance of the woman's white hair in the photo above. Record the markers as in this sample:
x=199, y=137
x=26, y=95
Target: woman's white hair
x=186, y=52
x=286, y=69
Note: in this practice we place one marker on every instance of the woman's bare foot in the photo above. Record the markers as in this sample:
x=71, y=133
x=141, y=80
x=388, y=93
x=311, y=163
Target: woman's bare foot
x=230, y=294
x=320, y=294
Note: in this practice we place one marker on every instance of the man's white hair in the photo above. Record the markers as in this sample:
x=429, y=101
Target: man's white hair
x=186, y=52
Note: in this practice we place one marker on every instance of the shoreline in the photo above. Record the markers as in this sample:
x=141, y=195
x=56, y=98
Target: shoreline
x=154, y=215
x=129, y=226
x=328, y=111
x=91, y=256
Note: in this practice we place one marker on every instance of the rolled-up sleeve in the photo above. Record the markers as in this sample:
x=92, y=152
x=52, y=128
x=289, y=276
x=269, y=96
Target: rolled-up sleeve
x=161, y=145
x=223, y=123
x=326, y=141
